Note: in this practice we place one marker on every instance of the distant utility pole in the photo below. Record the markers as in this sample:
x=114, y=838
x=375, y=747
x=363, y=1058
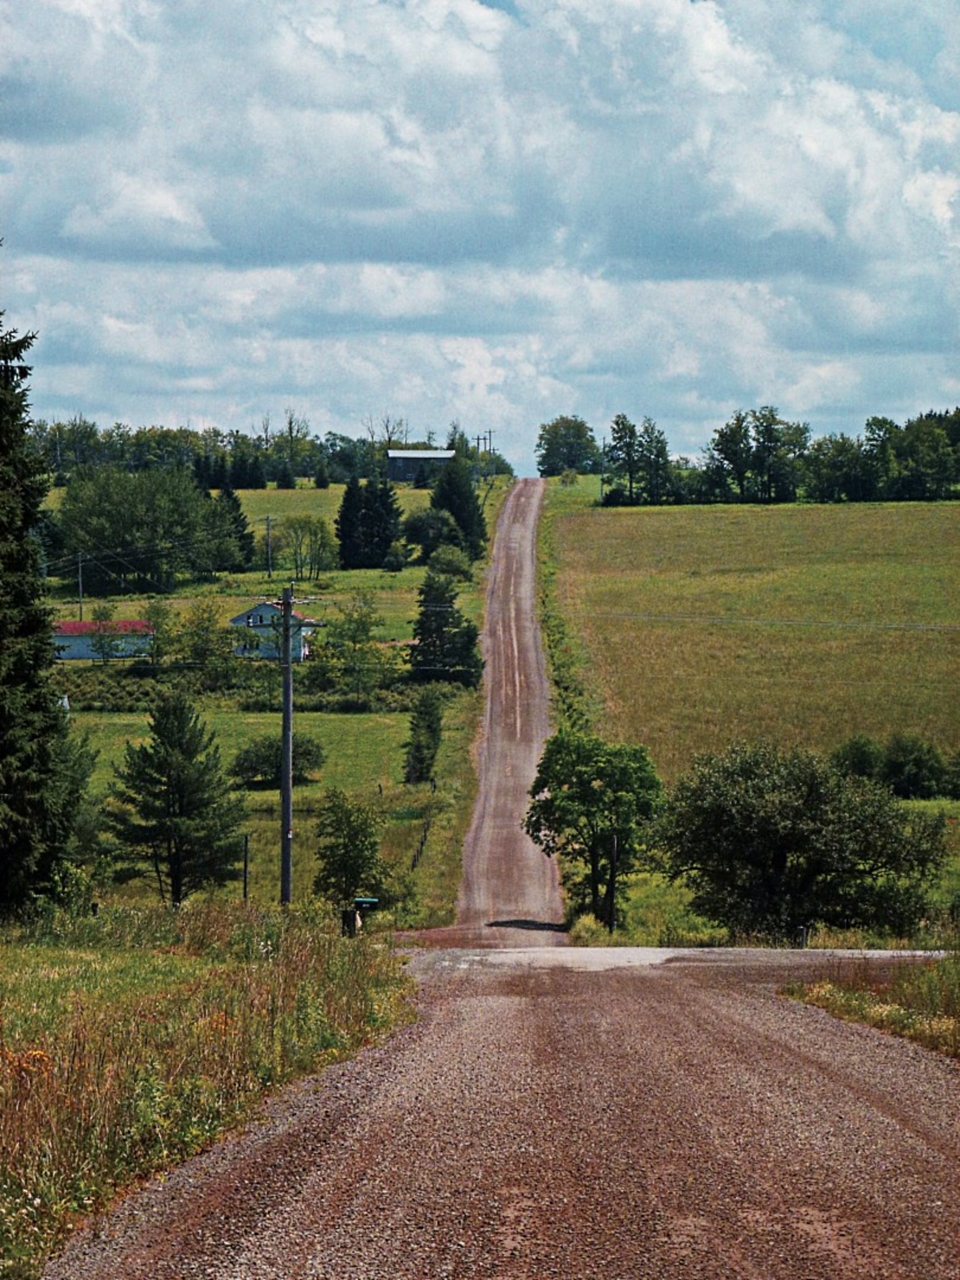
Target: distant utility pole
x=612, y=920
x=80, y=581
x=269, y=552
x=286, y=757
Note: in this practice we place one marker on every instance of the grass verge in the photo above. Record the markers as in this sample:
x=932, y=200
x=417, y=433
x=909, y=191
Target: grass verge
x=129, y=1041
x=919, y=1000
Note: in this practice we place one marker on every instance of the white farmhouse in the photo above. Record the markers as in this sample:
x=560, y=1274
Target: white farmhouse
x=262, y=626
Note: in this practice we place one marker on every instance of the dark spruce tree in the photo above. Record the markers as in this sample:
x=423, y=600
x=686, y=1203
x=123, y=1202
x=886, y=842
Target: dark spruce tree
x=368, y=523
x=321, y=473
x=173, y=809
x=39, y=794
x=381, y=520
x=349, y=525
x=285, y=475
x=242, y=533
x=454, y=492
x=426, y=728
x=445, y=642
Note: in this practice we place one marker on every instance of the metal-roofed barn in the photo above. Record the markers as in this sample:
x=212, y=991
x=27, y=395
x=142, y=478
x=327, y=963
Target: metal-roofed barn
x=416, y=466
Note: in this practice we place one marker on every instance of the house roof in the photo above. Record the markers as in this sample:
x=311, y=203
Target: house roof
x=117, y=626
x=266, y=606
x=434, y=455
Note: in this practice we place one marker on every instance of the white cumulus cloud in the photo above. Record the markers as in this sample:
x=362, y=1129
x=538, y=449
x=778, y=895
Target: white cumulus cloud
x=494, y=212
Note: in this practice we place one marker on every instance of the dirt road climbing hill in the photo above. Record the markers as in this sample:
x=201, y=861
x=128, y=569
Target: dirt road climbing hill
x=555, y=1112
x=510, y=892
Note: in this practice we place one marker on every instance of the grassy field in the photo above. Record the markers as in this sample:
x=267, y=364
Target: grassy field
x=802, y=624
x=687, y=628
x=364, y=756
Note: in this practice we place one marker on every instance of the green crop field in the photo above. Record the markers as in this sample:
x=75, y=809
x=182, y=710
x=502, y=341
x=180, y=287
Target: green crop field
x=800, y=624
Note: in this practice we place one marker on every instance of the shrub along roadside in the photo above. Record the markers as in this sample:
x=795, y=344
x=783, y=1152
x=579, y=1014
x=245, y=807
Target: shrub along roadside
x=117, y=1069
x=772, y=841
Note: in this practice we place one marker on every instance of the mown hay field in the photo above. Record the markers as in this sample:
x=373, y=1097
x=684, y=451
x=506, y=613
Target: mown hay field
x=800, y=624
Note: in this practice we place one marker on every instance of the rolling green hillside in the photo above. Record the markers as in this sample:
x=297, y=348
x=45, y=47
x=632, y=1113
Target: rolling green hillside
x=801, y=624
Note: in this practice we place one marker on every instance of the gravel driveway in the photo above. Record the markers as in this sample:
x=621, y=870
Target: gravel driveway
x=640, y=1114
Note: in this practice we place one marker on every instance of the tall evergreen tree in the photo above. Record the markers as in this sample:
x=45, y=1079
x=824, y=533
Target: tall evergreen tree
x=173, y=806
x=426, y=727
x=38, y=799
x=445, y=645
x=349, y=525
x=242, y=532
x=381, y=520
x=454, y=492
x=368, y=523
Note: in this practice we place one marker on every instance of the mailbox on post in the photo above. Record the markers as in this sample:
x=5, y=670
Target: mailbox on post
x=351, y=918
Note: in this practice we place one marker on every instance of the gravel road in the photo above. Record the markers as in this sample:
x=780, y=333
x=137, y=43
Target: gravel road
x=634, y=1114
x=666, y=1120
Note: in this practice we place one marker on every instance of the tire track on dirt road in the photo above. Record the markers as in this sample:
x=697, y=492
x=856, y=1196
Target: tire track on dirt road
x=510, y=892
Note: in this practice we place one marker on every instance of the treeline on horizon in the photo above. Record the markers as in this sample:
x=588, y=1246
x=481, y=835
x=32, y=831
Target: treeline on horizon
x=758, y=457
x=137, y=511
x=240, y=460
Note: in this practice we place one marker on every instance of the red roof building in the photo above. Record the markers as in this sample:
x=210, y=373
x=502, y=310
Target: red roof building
x=130, y=638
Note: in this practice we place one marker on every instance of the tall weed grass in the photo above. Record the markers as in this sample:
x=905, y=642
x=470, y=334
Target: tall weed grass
x=919, y=1000
x=129, y=1041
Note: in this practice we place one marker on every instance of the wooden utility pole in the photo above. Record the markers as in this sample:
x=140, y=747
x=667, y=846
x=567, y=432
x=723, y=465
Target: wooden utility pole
x=612, y=918
x=286, y=758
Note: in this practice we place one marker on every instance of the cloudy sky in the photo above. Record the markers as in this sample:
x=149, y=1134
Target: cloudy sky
x=493, y=212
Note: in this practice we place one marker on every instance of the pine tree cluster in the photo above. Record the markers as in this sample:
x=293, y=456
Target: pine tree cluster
x=368, y=523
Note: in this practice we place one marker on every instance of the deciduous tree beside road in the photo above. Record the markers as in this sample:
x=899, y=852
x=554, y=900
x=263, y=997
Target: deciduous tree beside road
x=591, y=801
